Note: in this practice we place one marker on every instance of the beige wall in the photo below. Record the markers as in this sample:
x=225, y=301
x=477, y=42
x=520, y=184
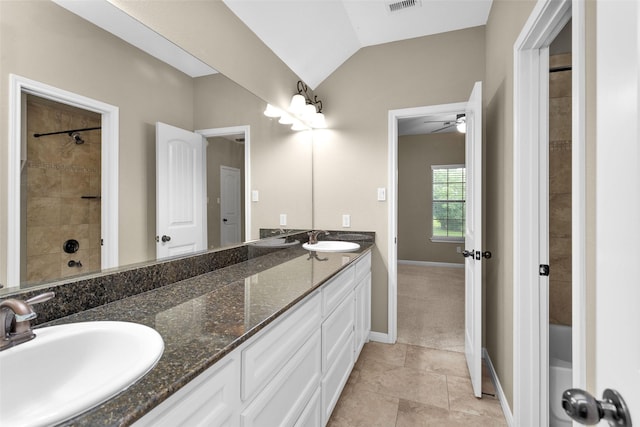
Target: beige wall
x=416, y=155
x=351, y=157
x=503, y=27
x=282, y=153
x=217, y=37
x=41, y=41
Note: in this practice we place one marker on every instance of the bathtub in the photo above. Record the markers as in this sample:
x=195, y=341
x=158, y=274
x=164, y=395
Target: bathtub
x=560, y=376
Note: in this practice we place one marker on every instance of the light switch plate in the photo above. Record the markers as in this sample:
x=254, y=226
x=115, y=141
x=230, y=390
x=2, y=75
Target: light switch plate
x=382, y=194
x=346, y=220
x=283, y=219
x=255, y=196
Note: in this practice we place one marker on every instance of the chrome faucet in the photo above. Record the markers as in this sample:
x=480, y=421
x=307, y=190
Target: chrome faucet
x=15, y=319
x=313, y=236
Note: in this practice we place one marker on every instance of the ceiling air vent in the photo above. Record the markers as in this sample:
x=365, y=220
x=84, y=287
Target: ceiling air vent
x=404, y=4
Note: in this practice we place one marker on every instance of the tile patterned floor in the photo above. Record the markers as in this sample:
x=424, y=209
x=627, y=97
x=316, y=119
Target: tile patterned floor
x=409, y=385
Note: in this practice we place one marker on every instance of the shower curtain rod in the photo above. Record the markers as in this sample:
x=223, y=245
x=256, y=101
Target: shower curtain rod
x=69, y=131
x=557, y=69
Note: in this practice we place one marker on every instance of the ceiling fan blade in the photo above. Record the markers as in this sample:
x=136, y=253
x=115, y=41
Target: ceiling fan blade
x=443, y=128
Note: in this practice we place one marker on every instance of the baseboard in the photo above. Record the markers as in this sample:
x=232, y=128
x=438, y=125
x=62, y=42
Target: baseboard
x=506, y=410
x=379, y=337
x=431, y=264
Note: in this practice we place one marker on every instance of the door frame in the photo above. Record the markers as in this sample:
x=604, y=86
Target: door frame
x=233, y=130
x=222, y=167
x=109, y=166
x=530, y=309
x=392, y=172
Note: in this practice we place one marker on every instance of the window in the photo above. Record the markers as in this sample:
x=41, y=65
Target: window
x=448, y=202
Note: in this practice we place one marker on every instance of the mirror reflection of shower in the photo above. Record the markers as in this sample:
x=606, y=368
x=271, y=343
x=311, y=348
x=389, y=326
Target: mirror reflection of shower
x=73, y=133
x=60, y=191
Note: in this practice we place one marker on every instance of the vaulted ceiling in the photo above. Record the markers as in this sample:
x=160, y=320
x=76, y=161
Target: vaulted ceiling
x=314, y=37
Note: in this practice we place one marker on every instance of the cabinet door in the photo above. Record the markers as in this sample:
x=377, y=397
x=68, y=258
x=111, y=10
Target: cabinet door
x=362, y=313
x=269, y=352
x=336, y=330
x=312, y=414
x=284, y=398
x=211, y=400
x=335, y=379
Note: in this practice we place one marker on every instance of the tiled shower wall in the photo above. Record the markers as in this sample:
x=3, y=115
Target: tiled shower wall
x=560, y=191
x=58, y=173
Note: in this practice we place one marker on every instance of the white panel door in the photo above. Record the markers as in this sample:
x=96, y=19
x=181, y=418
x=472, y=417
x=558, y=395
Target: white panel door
x=618, y=202
x=473, y=239
x=181, y=189
x=230, y=214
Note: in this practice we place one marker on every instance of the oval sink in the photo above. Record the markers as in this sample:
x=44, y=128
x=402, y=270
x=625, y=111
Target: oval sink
x=275, y=242
x=68, y=369
x=332, y=246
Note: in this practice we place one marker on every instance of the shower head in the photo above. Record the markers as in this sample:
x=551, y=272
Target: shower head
x=76, y=138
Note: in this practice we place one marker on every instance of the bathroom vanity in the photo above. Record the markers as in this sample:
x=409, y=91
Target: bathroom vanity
x=268, y=341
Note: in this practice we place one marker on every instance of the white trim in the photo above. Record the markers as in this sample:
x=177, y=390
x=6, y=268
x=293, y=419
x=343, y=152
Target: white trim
x=579, y=195
x=431, y=263
x=502, y=398
x=530, y=352
x=392, y=173
x=109, y=191
x=232, y=130
x=380, y=337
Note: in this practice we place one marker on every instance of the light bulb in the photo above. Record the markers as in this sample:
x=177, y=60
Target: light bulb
x=286, y=119
x=462, y=127
x=308, y=112
x=297, y=104
x=299, y=125
x=272, y=111
x=318, y=121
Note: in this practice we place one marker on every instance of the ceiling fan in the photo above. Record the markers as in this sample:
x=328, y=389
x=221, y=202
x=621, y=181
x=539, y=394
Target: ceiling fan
x=460, y=123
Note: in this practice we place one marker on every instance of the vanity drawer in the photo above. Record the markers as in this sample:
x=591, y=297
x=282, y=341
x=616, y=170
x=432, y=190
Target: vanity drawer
x=336, y=330
x=336, y=290
x=263, y=358
x=210, y=400
x=363, y=267
x=284, y=399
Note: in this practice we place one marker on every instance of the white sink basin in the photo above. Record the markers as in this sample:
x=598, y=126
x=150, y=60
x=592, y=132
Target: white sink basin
x=68, y=369
x=275, y=242
x=332, y=246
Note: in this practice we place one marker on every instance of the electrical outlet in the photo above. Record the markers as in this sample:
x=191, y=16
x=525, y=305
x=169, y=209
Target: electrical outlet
x=346, y=220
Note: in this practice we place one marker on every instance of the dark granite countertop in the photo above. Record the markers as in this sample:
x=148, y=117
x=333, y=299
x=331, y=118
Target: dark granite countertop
x=203, y=318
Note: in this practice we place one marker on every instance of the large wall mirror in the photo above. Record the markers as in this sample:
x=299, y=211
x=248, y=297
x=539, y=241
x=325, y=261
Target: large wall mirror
x=260, y=168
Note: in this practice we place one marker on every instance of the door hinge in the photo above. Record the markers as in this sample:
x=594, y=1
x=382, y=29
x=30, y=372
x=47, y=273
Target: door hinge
x=544, y=269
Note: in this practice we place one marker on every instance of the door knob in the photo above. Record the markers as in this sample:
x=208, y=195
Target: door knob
x=586, y=409
x=224, y=219
x=466, y=253
x=166, y=238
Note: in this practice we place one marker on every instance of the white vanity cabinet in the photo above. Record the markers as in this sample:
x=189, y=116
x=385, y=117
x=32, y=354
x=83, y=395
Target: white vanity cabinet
x=212, y=399
x=362, y=296
x=289, y=374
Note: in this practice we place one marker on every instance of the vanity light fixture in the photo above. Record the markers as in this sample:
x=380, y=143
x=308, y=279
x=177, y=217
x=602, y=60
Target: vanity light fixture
x=303, y=113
